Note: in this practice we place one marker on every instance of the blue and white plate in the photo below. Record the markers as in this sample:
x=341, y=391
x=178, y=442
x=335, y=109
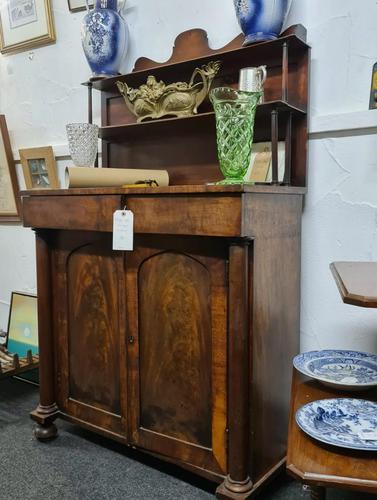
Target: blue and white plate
x=348, y=423
x=347, y=370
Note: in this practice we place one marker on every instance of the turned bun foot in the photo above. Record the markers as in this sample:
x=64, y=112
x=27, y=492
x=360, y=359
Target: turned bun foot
x=45, y=432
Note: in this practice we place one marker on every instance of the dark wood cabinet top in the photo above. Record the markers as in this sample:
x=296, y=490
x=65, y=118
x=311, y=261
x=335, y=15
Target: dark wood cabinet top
x=357, y=282
x=194, y=189
x=319, y=464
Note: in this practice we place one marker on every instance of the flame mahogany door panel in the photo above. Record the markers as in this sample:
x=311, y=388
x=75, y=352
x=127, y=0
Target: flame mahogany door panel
x=177, y=337
x=89, y=315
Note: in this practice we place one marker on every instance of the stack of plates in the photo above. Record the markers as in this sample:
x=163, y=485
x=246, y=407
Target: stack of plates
x=344, y=422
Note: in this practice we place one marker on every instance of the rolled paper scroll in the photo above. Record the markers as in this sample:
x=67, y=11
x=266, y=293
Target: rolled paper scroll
x=87, y=177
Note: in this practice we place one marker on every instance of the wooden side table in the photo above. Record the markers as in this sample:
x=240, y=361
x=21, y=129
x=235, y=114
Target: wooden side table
x=316, y=464
x=319, y=465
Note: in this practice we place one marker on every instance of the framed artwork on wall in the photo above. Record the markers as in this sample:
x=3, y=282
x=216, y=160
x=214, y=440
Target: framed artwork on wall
x=39, y=167
x=9, y=191
x=77, y=5
x=25, y=24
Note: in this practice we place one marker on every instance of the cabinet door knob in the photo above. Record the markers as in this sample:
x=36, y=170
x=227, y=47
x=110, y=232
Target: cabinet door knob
x=131, y=339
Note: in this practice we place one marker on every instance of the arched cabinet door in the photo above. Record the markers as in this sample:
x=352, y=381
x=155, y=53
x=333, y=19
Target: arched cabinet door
x=176, y=317
x=90, y=324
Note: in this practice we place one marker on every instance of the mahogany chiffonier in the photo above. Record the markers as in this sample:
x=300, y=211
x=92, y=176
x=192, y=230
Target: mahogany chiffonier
x=182, y=347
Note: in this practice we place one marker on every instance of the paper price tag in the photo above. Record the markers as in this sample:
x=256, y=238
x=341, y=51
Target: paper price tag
x=123, y=230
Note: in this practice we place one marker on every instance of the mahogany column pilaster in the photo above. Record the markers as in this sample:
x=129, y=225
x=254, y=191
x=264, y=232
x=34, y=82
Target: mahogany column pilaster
x=238, y=484
x=47, y=409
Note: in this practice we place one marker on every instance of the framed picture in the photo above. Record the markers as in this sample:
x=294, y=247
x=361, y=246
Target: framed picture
x=23, y=324
x=260, y=169
x=39, y=167
x=9, y=192
x=77, y=5
x=23, y=330
x=25, y=24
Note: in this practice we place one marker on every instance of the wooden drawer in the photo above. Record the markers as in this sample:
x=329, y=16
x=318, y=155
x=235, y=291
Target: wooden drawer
x=89, y=213
x=193, y=215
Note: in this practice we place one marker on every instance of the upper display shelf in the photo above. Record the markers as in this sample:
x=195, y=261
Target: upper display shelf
x=231, y=56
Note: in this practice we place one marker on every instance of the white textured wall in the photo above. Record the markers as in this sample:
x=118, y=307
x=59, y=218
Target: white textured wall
x=41, y=92
x=340, y=218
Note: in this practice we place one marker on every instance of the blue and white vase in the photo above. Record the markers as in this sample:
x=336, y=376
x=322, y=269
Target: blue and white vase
x=104, y=36
x=261, y=20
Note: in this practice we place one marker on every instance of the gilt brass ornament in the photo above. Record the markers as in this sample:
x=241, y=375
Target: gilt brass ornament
x=156, y=99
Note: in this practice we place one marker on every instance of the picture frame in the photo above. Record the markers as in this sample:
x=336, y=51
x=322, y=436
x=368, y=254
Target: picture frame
x=78, y=5
x=260, y=169
x=22, y=333
x=23, y=324
x=39, y=168
x=10, y=201
x=25, y=24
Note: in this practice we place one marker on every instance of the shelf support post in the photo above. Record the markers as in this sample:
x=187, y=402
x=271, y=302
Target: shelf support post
x=274, y=146
x=90, y=102
x=288, y=151
x=90, y=110
x=285, y=83
x=238, y=484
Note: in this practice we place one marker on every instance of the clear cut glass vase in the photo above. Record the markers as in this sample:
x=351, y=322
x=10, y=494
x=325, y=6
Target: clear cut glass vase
x=235, y=115
x=83, y=143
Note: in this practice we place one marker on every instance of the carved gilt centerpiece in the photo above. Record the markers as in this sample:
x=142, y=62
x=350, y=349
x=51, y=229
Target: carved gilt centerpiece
x=155, y=99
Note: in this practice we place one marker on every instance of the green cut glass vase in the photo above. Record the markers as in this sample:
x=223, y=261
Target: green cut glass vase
x=235, y=114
